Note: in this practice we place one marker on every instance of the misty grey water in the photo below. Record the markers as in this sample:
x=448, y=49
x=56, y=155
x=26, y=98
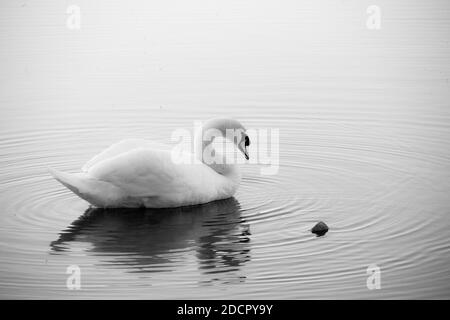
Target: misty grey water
x=364, y=123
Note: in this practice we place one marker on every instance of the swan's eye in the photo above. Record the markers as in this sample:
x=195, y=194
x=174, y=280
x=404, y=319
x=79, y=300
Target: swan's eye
x=247, y=141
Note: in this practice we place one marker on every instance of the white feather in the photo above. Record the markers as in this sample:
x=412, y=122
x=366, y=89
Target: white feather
x=135, y=173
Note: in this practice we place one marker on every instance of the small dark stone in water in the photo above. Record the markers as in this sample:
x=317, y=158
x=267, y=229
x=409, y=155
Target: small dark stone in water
x=320, y=229
x=246, y=231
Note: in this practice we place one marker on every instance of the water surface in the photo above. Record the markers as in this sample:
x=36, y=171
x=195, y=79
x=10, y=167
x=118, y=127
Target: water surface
x=363, y=117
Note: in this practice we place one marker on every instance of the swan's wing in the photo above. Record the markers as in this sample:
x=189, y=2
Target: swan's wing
x=122, y=147
x=151, y=172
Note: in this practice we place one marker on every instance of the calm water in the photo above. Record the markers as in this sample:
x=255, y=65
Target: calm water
x=364, y=122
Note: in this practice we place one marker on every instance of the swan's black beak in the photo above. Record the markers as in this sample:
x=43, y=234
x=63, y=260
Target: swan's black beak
x=244, y=147
x=246, y=154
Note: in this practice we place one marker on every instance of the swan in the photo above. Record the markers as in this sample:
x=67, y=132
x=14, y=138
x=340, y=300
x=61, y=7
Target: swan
x=140, y=173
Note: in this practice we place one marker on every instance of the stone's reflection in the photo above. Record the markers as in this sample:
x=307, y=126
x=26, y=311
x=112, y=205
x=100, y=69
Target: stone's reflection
x=152, y=240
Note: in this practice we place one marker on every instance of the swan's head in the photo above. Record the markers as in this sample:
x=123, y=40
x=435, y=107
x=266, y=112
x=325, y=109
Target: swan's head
x=230, y=129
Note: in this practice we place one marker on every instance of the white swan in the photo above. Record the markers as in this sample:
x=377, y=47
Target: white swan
x=140, y=173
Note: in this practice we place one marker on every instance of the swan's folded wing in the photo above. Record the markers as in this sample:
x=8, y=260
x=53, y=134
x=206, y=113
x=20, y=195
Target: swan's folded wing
x=149, y=172
x=120, y=148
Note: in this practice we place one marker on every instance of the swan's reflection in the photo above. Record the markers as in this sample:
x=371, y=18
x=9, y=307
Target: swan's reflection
x=150, y=240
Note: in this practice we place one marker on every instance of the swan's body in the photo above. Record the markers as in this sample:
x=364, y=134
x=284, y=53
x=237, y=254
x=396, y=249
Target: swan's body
x=140, y=173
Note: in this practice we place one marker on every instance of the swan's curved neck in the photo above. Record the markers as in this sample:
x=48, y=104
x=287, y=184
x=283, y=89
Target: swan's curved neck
x=204, y=150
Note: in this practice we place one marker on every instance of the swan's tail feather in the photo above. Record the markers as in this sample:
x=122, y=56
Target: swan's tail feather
x=98, y=193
